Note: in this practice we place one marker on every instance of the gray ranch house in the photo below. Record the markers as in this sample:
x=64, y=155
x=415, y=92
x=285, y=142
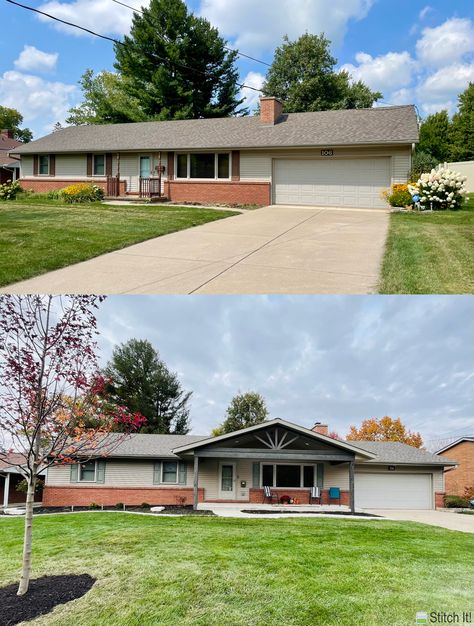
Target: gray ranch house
x=237, y=467
x=328, y=158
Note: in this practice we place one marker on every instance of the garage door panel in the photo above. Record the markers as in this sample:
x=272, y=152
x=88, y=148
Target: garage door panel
x=393, y=491
x=343, y=182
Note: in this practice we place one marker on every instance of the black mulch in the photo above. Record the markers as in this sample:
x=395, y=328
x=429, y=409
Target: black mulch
x=168, y=510
x=42, y=596
x=293, y=512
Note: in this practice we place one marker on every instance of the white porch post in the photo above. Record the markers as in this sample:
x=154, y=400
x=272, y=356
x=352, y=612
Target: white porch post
x=6, y=491
x=351, y=486
x=196, y=481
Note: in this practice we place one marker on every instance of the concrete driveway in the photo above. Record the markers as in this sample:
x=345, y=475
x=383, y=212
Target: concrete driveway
x=279, y=250
x=444, y=519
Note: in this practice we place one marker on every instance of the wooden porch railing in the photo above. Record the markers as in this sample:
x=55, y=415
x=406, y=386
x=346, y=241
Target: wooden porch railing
x=113, y=186
x=150, y=187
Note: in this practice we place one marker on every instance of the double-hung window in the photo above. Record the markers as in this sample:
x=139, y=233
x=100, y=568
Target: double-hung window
x=98, y=165
x=87, y=472
x=170, y=472
x=43, y=165
x=203, y=165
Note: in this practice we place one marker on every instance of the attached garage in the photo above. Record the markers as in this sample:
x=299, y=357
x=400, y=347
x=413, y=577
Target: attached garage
x=393, y=491
x=349, y=183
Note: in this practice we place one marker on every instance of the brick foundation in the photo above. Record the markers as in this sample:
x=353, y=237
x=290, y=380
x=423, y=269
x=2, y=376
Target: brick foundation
x=302, y=495
x=235, y=192
x=39, y=185
x=439, y=499
x=109, y=496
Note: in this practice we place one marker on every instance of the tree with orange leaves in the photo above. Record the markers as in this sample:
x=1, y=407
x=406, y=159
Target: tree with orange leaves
x=385, y=429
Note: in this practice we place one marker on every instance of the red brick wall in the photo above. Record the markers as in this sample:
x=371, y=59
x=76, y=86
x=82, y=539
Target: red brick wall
x=256, y=496
x=439, y=499
x=457, y=479
x=109, y=496
x=226, y=192
x=44, y=185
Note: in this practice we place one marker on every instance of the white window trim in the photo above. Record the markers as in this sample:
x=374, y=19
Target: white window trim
x=301, y=466
x=94, y=156
x=163, y=473
x=81, y=480
x=39, y=164
x=216, y=163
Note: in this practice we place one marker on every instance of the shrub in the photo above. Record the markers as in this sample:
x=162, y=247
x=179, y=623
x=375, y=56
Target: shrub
x=456, y=502
x=422, y=162
x=398, y=196
x=54, y=194
x=82, y=192
x=94, y=506
x=145, y=505
x=10, y=190
x=120, y=505
x=440, y=189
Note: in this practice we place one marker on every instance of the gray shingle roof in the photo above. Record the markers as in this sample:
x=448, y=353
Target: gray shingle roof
x=394, y=452
x=147, y=446
x=382, y=125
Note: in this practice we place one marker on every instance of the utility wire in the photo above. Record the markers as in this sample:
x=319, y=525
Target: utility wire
x=240, y=54
x=117, y=41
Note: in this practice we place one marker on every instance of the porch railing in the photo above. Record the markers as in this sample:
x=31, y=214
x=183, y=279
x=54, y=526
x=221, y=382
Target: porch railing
x=150, y=187
x=113, y=186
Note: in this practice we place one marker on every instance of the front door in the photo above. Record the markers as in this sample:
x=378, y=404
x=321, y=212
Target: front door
x=227, y=481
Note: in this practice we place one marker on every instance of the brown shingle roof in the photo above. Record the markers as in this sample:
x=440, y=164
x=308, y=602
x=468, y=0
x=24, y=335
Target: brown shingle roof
x=383, y=125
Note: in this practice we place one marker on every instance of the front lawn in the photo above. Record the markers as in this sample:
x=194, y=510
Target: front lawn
x=37, y=235
x=232, y=572
x=430, y=253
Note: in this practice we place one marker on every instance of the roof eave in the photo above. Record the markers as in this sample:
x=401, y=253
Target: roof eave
x=455, y=443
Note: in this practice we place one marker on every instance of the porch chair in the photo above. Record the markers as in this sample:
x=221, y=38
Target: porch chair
x=315, y=494
x=269, y=495
x=334, y=494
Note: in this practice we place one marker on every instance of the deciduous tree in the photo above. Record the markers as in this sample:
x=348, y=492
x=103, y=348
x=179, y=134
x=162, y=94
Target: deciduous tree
x=11, y=119
x=245, y=409
x=385, y=429
x=462, y=127
x=434, y=136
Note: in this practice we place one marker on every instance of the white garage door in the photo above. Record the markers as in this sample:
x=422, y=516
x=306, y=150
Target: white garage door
x=348, y=183
x=393, y=491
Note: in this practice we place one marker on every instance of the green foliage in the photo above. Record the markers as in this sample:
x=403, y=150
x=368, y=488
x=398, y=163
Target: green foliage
x=141, y=381
x=245, y=409
x=120, y=506
x=422, y=162
x=22, y=486
x=145, y=505
x=12, y=119
x=303, y=75
x=10, y=190
x=462, y=127
x=456, y=502
x=399, y=196
x=94, y=506
x=81, y=193
x=434, y=136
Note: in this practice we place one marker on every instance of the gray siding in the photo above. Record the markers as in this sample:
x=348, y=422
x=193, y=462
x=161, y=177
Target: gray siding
x=71, y=165
x=27, y=166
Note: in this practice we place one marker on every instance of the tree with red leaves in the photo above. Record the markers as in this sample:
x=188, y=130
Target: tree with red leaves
x=54, y=407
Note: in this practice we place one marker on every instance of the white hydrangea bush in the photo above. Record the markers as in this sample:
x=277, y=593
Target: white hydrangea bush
x=439, y=190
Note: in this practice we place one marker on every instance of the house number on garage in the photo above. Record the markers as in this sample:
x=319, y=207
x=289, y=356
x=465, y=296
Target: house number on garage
x=327, y=152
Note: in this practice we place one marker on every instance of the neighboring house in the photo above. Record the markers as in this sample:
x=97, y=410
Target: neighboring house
x=340, y=158
x=170, y=469
x=462, y=476
x=10, y=476
x=9, y=166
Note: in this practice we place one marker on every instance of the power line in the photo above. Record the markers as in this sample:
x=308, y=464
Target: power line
x=240, y=54
x=118, y=42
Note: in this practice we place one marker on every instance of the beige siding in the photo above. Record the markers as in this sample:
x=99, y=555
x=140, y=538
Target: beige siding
x=255, y=166
x=401, y=164
x=336, y=476
x=130, y=168
x=437, y=473
x=466, y=168
x=71, y=165
x=26, y=166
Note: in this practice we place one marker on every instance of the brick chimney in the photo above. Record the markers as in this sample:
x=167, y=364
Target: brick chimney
x=270, y=110
x=7, y=132
x=321, y=429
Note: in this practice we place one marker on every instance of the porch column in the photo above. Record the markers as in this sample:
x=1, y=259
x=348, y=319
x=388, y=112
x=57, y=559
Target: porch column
x=351, y=486
x=6, y=490
x=196, y=481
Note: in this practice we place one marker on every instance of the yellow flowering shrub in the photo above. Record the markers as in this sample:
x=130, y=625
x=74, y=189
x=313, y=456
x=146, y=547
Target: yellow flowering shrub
x=82, y=192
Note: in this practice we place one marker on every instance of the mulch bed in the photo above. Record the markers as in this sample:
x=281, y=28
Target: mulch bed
x=293, y=512
x=168, y=510
x=43, y=595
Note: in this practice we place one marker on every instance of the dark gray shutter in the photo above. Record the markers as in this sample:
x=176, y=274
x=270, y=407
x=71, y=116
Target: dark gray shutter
x=52, y=165
x=157, y=473
x=100, y=474
x=74, y=473
x=320, y=475
x=255, y=474
x=182, y=469
x=89, y=165
x=35, y=165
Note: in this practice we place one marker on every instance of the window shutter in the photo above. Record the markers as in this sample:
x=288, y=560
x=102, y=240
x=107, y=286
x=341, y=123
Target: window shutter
x=100, y=472
x=170, y=165
x=89, y=165
x=182, y=476
x=320, y=475
x=256, y=475
x=74, y=472
x=108, y=165
x=236, y=165
x=157, y=473
x=52, y=165
x=35, y=165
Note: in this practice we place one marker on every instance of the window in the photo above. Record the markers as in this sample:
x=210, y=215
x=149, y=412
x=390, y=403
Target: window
x=99, y=165
x=288, y=475
x=267, y=476
x=87, y=472
x=170, y=472
x=44, y=165
x=203, y=165
x=308, y=476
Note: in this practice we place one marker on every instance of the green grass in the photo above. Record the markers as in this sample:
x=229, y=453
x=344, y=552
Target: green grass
x=232, y=572
x=39, y=235
x=430, y=253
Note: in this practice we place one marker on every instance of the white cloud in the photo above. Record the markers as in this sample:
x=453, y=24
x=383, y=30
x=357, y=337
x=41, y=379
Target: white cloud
x=424, y=12
x=386, y=72
x=101, y=16
x=440, y=90
x=253, y=79
x=258, y=26
x=41, y=102
x=31, y=59
x=447, y=43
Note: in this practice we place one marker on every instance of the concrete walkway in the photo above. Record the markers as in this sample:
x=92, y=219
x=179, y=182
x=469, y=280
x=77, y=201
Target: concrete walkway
x=444, y=519
x=280, y=250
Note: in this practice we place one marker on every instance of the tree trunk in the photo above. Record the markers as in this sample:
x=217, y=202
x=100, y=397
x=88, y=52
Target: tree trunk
x=27, y=542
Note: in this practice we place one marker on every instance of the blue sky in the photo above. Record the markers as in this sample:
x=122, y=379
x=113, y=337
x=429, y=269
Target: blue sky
x=411, y=50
